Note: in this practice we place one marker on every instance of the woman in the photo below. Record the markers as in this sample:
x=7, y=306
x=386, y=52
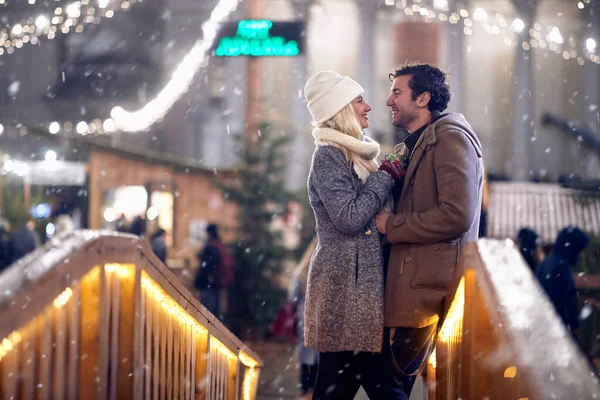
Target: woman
x=343, y=319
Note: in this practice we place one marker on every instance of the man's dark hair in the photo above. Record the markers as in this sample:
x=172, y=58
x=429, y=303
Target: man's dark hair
x=426, y=78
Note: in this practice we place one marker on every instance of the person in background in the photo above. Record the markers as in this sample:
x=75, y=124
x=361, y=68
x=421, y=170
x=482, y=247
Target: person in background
x=138, y=226
x=215, y=272
x=307, y=358
x=555, y=274
x=24, y=240
x=530, y=246
x=5, y=248
x=158, y=244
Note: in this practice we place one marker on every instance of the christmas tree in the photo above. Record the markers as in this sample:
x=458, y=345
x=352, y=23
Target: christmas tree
x=261, y=195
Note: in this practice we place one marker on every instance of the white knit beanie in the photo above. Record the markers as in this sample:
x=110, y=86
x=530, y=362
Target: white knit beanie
x=327, y=93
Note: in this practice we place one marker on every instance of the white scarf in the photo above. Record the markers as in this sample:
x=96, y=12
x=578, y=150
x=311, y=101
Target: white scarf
x=362, y=153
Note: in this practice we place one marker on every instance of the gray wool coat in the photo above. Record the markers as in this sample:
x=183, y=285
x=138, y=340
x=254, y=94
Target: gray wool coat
x=344, y=293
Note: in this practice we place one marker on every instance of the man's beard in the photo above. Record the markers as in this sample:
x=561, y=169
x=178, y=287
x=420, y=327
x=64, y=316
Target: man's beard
x=405, y=120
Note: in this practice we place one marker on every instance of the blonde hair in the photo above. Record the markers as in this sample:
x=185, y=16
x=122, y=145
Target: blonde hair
x=346, y=121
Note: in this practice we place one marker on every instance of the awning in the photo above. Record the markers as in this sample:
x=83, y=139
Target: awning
x=545, y=208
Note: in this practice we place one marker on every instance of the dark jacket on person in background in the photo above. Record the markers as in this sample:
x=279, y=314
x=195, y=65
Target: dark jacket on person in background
x=556, y=276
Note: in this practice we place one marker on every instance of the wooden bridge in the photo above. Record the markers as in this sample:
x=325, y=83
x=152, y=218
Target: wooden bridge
x=95, y=315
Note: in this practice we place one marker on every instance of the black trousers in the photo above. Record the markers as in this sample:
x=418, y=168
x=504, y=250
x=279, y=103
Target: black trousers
x=308, y=376
x=410, y=346
x=341, y=374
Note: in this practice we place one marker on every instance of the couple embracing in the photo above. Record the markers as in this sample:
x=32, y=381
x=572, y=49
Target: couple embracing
x=389, y=235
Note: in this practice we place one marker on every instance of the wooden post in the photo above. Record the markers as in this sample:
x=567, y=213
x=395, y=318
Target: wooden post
x=253, y=87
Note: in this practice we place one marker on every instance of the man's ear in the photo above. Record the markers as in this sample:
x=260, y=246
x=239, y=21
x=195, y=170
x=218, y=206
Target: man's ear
x=423, y=99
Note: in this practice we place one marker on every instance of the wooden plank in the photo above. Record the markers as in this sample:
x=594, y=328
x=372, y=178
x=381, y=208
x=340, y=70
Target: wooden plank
x=138, y=337
x=89, y=347
x=114, y=344
x=193, y=364
x=182, y=349
x=73, y=320
x=29, y=381
x=163, y=352
x=104, y=333
x=148, y=300
x=155, y=348
x=170, y=323
x=127, y=321
x=44, y=386
x=10, y=371
x=176, y=349
x=60, y=351
x=232, y=383
x=188, y=362
x=201, y=364
x=209, y=368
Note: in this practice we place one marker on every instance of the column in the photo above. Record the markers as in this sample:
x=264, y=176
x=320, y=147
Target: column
x=455, y=58
x=301, y=143
x=523, y=112
x=235, y=105
x=590, y=83
x=367, y=9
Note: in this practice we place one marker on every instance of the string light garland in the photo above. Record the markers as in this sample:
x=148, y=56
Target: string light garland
x=181, y=79
x=496, y=23
x=63, y=19
x=154, y=111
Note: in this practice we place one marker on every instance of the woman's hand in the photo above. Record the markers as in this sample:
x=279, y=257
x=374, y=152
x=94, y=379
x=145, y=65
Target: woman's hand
x=394, y=169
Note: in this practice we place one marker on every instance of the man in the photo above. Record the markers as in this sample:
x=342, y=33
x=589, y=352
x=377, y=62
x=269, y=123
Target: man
x=436, y=212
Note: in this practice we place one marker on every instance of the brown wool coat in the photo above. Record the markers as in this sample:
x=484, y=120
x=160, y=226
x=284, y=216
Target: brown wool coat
x=438, y=213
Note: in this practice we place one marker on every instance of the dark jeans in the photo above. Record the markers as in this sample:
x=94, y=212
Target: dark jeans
x=308, y=376
x=410, y=346
x=210, y=299
x=341, y=374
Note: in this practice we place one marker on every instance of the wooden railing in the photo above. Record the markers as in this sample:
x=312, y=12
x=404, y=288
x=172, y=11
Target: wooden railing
x=502, y=338
x=96, y=315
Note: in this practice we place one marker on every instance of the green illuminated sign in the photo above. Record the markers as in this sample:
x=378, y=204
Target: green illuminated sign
x=261, y=38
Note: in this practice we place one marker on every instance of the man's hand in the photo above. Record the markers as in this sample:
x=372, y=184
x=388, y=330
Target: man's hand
x=381, y=220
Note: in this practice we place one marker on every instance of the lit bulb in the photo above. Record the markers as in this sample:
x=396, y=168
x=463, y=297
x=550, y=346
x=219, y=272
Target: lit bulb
x=590, y=45
x=109, y=125
x=110, y=214
x=54, y=128
x=518, y=25
x=42, y=22
x=1, y=129
x=480, y=14
x=440, y=4
x=554, y=36
x=50, y=155
x=81, y=127
x=73, y=10
x=16, y=30
x=103, y=3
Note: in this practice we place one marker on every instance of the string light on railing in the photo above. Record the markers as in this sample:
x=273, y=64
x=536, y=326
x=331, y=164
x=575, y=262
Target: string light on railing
x=63, y=298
